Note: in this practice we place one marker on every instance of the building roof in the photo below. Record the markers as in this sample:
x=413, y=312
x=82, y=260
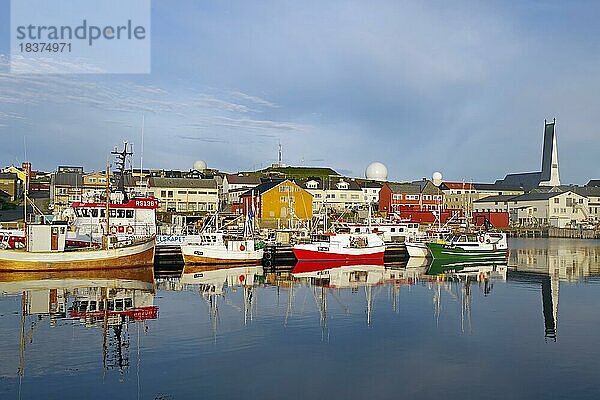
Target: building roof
x=587, y=191
x=533, y=196
x=497, y=198
x=183, y=183
x=457, y=185
x=405, y=188
x=243, y=179
x=496, y=187
x=8, y=176
x=594, y=182
x=329, y=185
x=72, y=179
x=263, y=187
x=525, y=180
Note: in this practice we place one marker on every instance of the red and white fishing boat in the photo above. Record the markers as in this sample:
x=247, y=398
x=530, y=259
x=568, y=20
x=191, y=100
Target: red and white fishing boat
x=12, y=238
x=341, y=247
x=133, y=220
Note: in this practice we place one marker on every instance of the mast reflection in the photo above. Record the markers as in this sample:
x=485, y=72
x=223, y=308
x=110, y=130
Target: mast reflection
x=106, y=299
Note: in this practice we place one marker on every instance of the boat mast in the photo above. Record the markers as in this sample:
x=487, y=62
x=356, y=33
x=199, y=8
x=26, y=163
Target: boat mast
x=107, y=203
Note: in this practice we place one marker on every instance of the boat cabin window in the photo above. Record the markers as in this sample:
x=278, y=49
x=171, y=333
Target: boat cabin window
x=120, y=213
x=129, y=213
x=128, y=303
x=92, y=306
x=321, y=238
x=85, y=212
x=94, y=212
x=393, y=229
x=102, y=213
x=357, y=230
x=112, y=213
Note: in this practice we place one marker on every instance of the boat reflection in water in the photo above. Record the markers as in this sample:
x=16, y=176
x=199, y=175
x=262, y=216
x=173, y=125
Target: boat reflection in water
x=547, y=262
x=457, y=278
x=333, y=275
x=214, y=281
x=105, y=299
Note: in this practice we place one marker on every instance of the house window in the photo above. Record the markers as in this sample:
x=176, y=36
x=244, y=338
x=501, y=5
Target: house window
x=556, y=200
x=163, y=193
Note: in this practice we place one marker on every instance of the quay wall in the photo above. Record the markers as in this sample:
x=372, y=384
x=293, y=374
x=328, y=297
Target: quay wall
x=553, y=232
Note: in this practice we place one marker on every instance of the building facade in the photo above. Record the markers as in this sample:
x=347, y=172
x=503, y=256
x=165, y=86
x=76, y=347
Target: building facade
x=539, y=209
x=66, y=187
x=11, y=185
x=394, y=197
x=339, y=196
x=184, y=194
x=278, y=201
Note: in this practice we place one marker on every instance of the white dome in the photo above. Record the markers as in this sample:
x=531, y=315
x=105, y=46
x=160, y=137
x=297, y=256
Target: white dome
x=376, y=171
x=437, y=178
x=200, y=165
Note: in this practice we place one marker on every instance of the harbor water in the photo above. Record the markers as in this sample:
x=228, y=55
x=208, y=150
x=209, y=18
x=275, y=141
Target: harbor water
x=527, y=330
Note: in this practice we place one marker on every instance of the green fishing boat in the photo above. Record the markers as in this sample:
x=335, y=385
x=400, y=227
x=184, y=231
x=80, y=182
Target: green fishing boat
x=489, y=246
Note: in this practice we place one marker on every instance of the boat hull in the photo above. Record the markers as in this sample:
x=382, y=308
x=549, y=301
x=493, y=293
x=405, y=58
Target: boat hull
x=442, y=252
x=210, y=255
x=82, y=260
x=368, y=254
x=417, y=250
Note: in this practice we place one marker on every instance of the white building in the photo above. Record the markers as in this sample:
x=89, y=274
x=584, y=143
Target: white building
x=233, y=182
x=340, y=195
x=184, y=194
x=371, y=191
x=554, y=208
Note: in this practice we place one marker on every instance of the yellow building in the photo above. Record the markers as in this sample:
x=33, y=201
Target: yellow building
x=279, y=201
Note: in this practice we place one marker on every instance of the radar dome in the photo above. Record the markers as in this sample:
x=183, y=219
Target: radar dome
x=200, y=165
x=437, y=178
x=376, y=171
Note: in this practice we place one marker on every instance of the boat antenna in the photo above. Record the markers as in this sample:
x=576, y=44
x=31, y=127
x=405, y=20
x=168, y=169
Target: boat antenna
x=120, y=168
x=142, y=157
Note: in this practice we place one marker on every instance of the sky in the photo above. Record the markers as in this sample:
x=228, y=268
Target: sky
x=460, y=87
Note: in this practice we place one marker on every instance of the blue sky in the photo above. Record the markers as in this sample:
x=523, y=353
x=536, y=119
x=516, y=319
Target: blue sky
x=462, y=87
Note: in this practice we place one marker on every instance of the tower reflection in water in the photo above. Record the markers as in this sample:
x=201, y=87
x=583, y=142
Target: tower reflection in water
x=109, y=300
x=547, y=262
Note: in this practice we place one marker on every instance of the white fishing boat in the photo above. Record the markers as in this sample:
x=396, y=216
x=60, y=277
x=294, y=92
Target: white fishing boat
x=389, y=230
x=417, y=247
x=214, y=248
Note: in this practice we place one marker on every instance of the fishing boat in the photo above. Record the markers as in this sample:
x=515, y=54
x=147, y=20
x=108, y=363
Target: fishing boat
x=341, y=247
x=214, y=248
x=464, y=247
x=131, y=220
x=45, y=251
x=214, y=279
x=417, y=246
x=12, y=238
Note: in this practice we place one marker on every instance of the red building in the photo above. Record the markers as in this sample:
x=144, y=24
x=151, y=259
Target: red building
x=417, y=196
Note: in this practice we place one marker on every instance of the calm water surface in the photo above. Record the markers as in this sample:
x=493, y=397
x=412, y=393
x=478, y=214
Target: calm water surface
x=332, y=331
